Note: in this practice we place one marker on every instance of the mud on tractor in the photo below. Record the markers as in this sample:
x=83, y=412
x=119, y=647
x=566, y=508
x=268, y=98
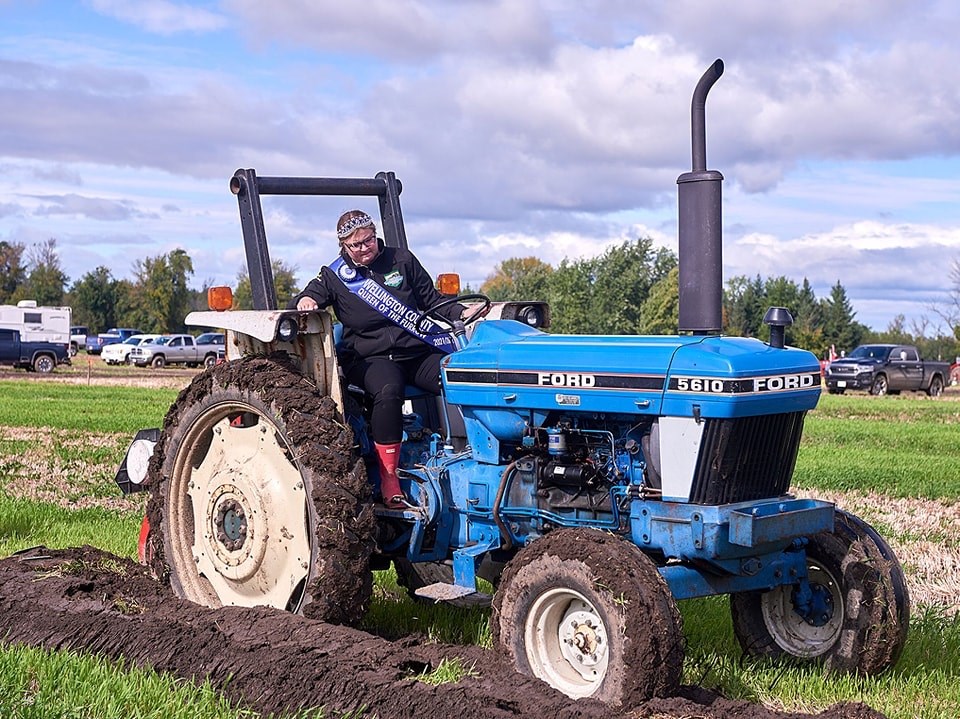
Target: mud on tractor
x=591, y=481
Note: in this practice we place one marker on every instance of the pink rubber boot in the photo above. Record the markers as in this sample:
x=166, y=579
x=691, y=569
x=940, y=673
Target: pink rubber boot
x=389, y=457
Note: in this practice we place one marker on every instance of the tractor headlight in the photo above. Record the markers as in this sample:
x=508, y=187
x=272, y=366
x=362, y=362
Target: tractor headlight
x=532, y=314
x=133, y=469
x=287, y=329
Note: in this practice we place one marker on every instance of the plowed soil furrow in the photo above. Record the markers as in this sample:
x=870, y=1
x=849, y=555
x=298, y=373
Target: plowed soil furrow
x=271, y=661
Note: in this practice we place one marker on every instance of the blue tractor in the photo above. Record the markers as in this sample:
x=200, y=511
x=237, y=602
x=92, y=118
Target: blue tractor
x=582, y=484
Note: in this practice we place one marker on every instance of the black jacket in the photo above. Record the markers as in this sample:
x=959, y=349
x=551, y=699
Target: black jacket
x=367, y=333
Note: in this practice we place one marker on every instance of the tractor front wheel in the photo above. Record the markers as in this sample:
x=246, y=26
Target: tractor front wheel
x=590, y=615
x=860, y=605
x=260, y=498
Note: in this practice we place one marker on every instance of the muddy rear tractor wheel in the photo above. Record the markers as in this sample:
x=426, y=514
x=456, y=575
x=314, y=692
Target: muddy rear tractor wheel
x=260, y=498
x=589, y=614
x=860, y=596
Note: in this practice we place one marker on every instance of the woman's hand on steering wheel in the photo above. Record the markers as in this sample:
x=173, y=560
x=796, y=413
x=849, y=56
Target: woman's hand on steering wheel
x=468, y=317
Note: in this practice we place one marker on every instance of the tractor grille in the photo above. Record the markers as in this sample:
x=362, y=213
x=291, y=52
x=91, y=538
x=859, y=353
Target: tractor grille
x=746, y=459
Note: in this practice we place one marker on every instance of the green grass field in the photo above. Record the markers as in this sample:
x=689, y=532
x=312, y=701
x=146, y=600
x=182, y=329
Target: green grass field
x=893, y=460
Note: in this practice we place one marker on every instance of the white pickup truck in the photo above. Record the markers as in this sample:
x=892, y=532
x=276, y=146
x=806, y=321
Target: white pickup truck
x=175, y=349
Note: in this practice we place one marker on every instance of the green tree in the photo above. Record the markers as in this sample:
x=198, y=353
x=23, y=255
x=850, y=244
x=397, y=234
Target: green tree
x=808, y=322
x=839, y=326
x=12, y=271
x=570, y=298
x=806, y=330
x=284, y=281
x=46, y=282
x=660, y=314
x=519, y=278
x=605, y=294
x=94, y=300
x=161, y=297
x=624, y=276
x=744, y=304
x=129, y=303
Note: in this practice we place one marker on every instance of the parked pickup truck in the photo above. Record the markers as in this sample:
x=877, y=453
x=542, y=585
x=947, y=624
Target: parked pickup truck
x=119, y=352
x=78, y=339
x=39, y=356
x=96, y=343
x=175, y=349
x=887, y=369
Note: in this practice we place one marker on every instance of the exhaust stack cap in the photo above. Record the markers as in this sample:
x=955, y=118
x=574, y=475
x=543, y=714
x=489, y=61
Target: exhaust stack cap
x=778, y=319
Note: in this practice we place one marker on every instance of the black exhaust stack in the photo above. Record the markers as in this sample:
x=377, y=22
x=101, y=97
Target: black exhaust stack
x=701, y=236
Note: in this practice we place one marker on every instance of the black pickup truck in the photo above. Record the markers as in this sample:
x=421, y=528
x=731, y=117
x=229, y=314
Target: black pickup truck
x=887, y=369
x=32, y=356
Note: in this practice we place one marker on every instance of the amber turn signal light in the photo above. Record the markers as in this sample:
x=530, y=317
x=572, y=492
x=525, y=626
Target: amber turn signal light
x=448, y=283
x=219, y=298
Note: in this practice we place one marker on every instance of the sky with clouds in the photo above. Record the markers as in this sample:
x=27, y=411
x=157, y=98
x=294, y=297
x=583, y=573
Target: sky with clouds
x=547, y=128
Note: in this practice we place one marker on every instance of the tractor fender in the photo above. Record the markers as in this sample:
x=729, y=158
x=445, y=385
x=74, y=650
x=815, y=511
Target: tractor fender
x=261, y=324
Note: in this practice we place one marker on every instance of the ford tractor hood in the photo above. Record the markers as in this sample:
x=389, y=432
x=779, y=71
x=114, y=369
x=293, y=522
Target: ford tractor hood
x=511, y=366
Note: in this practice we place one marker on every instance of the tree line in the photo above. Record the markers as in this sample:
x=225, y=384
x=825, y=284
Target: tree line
x=632, y=288
x=156, y=300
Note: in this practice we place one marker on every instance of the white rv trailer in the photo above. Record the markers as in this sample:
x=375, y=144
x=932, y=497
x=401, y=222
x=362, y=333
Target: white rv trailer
x=37, y=324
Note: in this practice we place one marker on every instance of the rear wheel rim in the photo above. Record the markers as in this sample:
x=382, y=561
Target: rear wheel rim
x=239, y=529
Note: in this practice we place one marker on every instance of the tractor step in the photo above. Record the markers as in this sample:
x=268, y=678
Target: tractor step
x=411, y=512
x=442, y=592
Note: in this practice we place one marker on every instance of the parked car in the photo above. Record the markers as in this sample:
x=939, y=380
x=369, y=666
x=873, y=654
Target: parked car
x=34, y=356
x=887, y=369
x=174, y=349
x=96, y=343
x=119, y=352
x=78, y=338
x=212, y=338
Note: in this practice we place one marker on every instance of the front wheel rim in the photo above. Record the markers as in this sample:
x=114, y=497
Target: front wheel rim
x=790, y=630
x=567, y=643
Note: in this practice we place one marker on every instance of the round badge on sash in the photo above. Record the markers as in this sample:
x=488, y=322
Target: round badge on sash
x=346, y=272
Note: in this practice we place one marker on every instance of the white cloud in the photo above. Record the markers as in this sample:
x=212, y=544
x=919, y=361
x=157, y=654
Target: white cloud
x=160, y=16
x=546, y=128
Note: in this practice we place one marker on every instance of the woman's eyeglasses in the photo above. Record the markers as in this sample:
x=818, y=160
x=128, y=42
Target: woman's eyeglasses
x=365, y=242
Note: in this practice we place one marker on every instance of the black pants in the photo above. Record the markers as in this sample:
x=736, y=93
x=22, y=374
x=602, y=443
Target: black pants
x=384, y=379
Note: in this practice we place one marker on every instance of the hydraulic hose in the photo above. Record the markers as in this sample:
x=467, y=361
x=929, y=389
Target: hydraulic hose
x=501, y=491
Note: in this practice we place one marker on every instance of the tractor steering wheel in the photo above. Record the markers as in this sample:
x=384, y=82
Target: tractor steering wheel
x=431, y=313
